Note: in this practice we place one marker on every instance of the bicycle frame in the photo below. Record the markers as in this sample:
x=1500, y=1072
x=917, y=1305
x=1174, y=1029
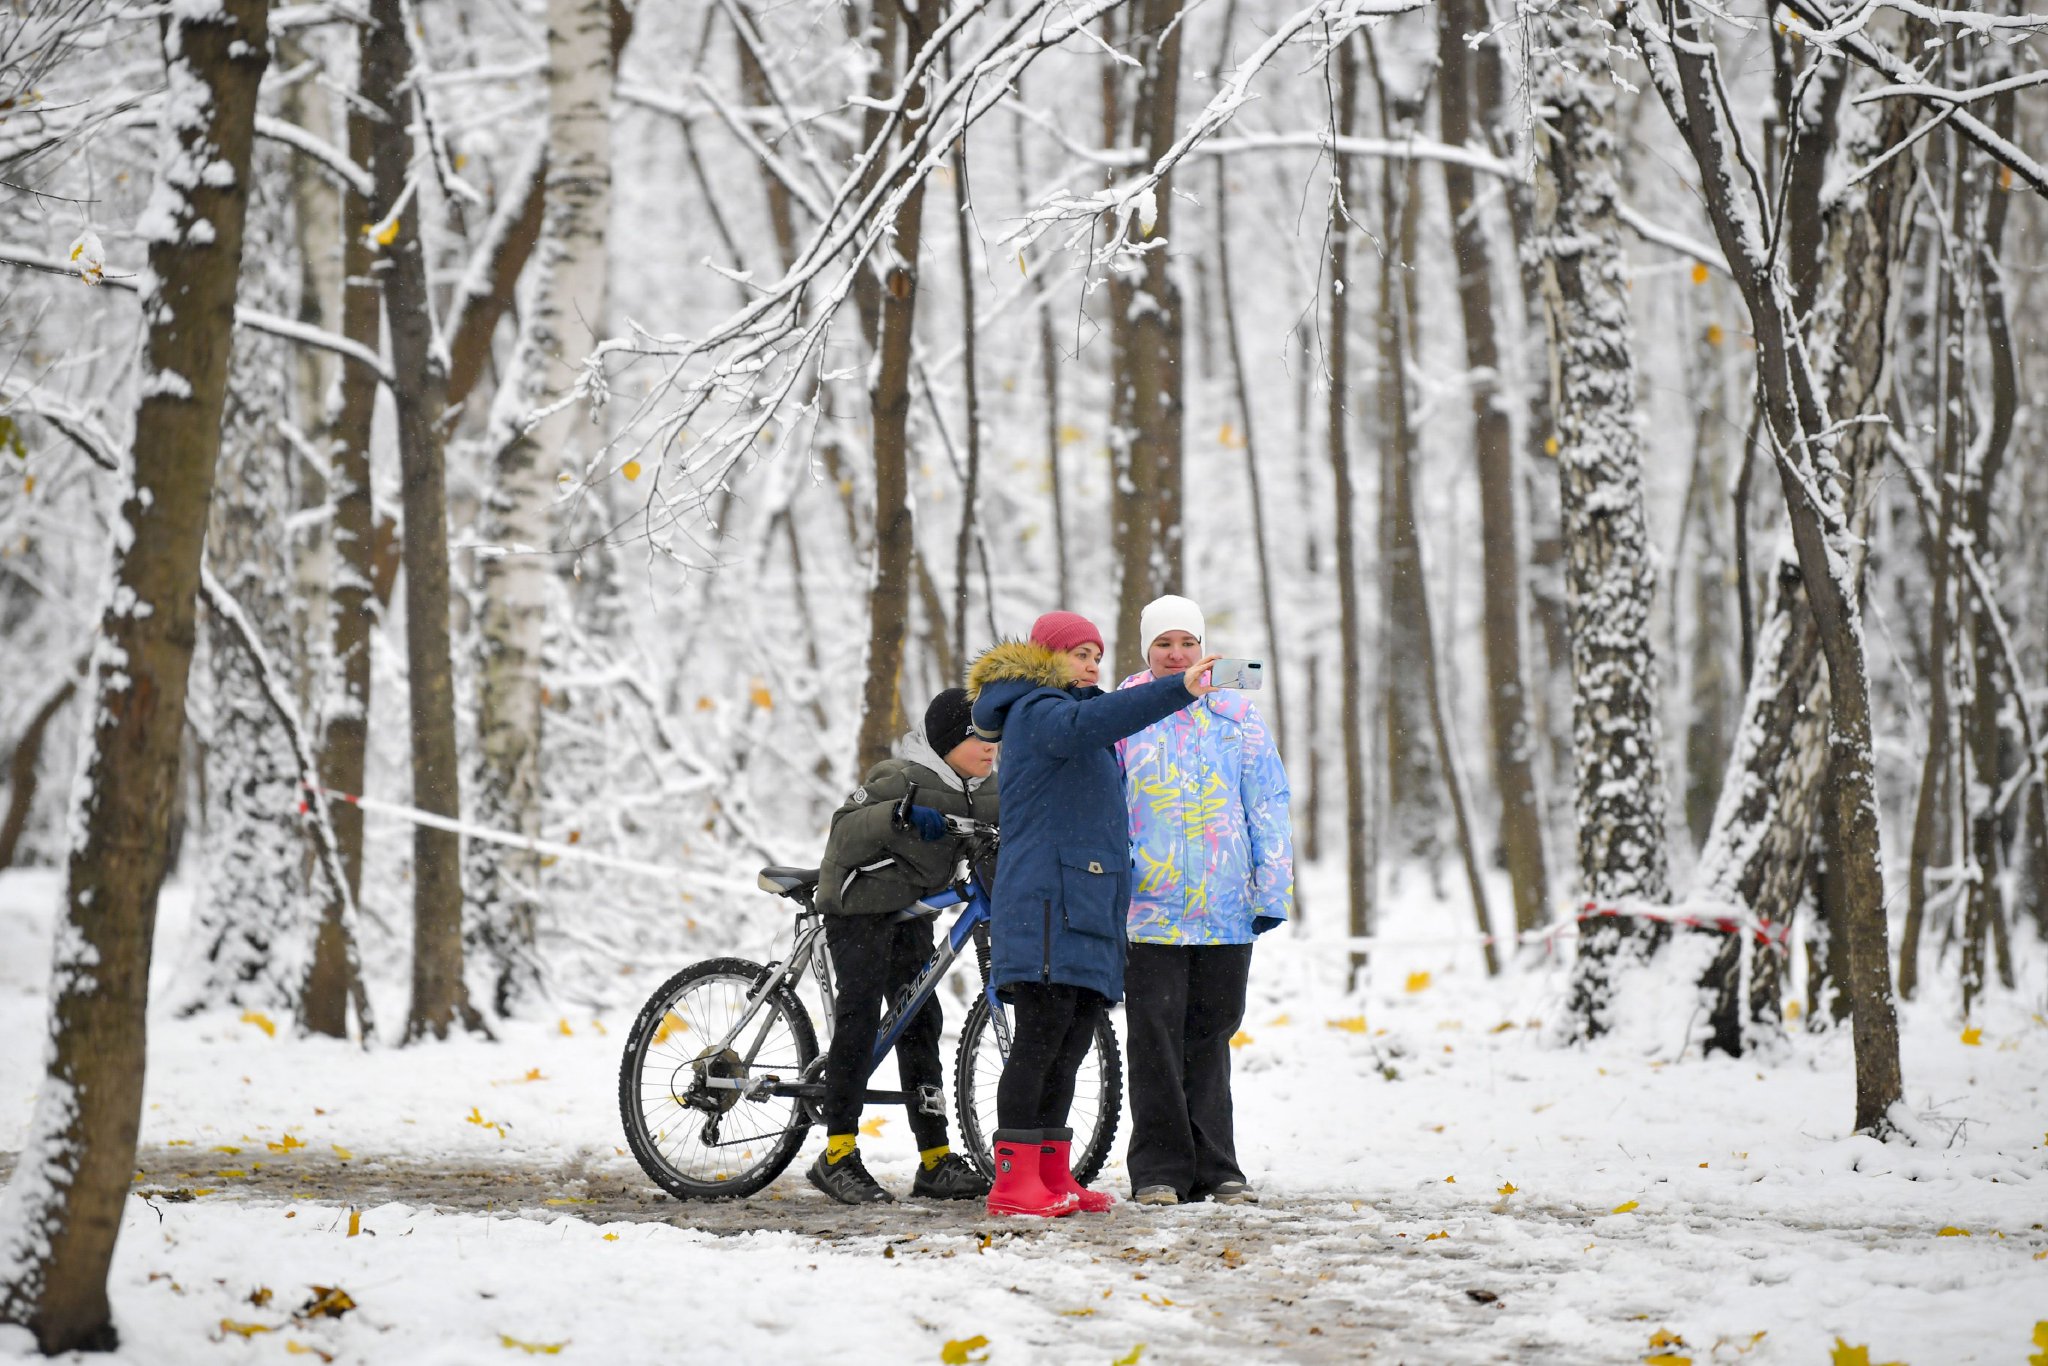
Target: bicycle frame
x=810, y=952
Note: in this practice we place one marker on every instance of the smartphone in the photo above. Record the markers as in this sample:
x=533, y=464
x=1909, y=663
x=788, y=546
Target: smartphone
x=1238, y=673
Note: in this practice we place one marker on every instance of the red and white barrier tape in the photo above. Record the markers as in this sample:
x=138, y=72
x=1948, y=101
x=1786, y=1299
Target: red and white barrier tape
x=1767, y=932
x=551, y=848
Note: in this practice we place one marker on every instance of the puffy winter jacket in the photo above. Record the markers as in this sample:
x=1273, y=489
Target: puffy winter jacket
x=1063, y=890
x=1211, y=842
x=870, y=867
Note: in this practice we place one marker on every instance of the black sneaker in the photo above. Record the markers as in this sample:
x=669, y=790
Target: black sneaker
x=847, y=1181
x=954, y=1178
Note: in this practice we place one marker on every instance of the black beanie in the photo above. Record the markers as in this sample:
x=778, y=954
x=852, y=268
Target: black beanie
x=948, y=721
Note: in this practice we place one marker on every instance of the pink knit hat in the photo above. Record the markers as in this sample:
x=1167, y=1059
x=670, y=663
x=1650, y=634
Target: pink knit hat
x=1064, y=631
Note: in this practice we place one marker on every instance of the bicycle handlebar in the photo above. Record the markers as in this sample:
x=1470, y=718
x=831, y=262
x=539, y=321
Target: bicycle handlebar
x=958, y=825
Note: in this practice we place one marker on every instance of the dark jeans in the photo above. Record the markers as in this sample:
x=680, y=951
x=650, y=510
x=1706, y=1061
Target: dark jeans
x=873, y=958
x=1051, y=1027
x=1182, y=1004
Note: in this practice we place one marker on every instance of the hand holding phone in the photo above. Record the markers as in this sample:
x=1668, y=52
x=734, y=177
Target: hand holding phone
x=1243, y=674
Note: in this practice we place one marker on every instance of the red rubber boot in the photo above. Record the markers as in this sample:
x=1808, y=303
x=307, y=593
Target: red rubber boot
x=1020, y=1188
x=1054, y=1169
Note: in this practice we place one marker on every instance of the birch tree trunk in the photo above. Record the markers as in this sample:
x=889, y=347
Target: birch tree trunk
x=566, y=312
x=1520, y=831
x=62, y=1210
x=352, y=603
x=881, y=717
x=1617, y=743
x=419, y=365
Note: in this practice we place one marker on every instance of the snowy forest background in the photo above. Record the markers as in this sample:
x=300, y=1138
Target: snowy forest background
x=631, y=419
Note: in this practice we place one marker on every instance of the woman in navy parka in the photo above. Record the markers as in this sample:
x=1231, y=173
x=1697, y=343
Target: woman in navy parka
x=1063, y=885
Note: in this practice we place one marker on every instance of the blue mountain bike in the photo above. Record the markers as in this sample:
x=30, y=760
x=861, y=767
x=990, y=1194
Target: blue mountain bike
x=723, y=1076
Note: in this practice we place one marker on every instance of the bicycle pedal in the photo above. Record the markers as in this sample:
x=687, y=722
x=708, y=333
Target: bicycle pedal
x=931, y=1101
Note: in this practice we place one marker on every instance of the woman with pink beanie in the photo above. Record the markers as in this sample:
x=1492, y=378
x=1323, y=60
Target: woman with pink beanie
x=1063, y=886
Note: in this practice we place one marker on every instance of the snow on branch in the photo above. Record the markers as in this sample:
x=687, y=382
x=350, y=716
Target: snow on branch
x=80, y=429
x=326, y=153
x=1845, y=36
x=254, y=319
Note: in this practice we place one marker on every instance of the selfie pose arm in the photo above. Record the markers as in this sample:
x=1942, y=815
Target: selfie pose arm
x=1080, y=725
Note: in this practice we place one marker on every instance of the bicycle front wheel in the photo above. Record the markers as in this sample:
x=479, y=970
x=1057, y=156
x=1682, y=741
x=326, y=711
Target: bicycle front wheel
x=691, y=1127
x=1098, y=1093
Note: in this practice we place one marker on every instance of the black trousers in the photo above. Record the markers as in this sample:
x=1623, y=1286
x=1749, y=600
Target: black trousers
x=873, y=959
x=1182, y=1004
x=1051, y=1026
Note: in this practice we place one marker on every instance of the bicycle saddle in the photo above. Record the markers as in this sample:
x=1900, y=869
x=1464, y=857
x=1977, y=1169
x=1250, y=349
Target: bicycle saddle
x=783, y=881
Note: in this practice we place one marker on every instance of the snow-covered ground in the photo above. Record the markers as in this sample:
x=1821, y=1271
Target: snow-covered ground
x=1441, y=1185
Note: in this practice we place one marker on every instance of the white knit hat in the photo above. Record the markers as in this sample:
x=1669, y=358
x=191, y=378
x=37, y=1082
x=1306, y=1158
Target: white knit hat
x=1169, y=613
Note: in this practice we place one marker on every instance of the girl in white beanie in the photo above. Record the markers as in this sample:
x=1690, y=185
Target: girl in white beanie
x=1212, y=867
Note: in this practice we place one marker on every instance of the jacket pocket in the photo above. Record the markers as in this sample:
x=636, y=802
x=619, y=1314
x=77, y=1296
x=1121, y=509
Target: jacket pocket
x=1092, y=895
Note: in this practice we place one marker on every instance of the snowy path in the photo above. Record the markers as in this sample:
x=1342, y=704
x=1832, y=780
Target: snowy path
x=1706, y=1200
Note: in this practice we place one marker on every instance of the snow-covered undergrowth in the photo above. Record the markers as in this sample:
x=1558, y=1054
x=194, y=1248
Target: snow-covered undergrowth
x=1441, y=1185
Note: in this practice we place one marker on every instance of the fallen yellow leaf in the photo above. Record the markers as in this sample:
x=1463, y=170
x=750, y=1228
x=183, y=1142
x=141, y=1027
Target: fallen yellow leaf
x=1666, y=1359
x=1699, y=273
x=1794, y=1009
x=247, y=1330
x=389, y=234
x=570, y=1200
x=1951, y=1231
x=563, y=1026
x=1508, y=1188
x=1076, y=1313
x=1625, y=1206
x=1550, y=446
x=300, y=1349
x=611, y=1237
x=1664, y=1337
x=1418, y=981
x=1973, y=1036
x=1450, y=1181
x=959, y=1351
x=289, y=1142
x=261, y=1021
x=872, y=1127
x=759, y=695
x=1714, y=334
x=1240, y=1039
x=355, y=1222
x=671, y=1023
x=1131, y=1358
x=1281, y=1020
x=341, y=1152
x=1440, y=1233
x=542, y=1349
x=1350, y=1024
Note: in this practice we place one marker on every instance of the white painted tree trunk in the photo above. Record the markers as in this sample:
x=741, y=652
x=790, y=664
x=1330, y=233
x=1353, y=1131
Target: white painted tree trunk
x=565, y=313
x=1609, y=576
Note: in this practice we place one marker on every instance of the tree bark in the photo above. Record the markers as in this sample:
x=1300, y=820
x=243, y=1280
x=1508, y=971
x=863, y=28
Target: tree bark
x=1520, y=832
x=439, y=998
x=1686, y=72
x=22, y=766
x=353, y=604
x=1359, y=872
x=1615, y=724
x=970, y=490
x=895, y=528
x=1146, y=331
x=62, y=1210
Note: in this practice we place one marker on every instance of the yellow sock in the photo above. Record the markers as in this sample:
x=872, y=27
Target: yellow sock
x=838, y=1146
x=933, y=1156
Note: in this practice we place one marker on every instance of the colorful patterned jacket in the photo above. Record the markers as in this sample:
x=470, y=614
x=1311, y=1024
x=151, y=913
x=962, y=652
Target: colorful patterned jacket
x=1212, y=847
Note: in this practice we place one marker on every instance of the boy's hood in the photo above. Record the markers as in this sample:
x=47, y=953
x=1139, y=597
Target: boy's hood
x=913, y=748
x=1006, y=672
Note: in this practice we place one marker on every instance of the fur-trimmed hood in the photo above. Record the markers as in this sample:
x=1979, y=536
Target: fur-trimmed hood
x=1024, y=661
x=1008, y=672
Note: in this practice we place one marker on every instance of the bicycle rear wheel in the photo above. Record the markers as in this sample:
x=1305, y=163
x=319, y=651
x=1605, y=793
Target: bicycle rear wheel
x=1098, y=1094
x=696, y=1139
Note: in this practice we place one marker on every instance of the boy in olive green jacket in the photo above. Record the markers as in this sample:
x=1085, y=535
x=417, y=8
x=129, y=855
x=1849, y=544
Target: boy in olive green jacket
x=872, y=869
